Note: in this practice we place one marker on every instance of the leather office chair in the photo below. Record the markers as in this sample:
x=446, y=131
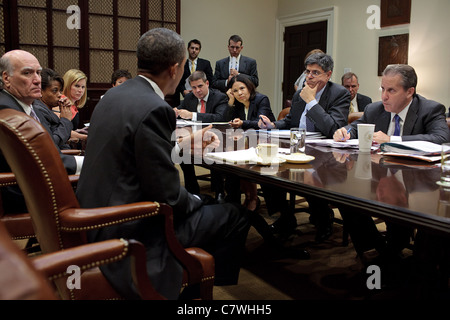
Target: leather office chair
x=283, y=113
x=25, y=278
x=19, y=225
x=60, y=223
x=352, y=116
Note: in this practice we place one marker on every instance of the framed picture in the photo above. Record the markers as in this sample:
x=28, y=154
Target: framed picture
x=395, y=12
x=392, y=50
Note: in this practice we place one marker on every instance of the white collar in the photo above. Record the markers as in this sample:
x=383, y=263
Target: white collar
x=155, y=86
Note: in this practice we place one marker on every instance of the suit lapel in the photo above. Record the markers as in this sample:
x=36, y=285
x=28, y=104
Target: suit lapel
x=324, y=98
x=411, y=118
x=383, y=122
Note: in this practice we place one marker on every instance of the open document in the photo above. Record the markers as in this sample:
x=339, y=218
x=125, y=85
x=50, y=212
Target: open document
x=418, y=150
x=414, y=147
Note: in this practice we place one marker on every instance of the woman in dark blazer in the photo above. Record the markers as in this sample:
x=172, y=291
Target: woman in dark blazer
x=245, y=107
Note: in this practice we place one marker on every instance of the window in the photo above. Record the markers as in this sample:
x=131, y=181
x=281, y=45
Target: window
x=105, y=42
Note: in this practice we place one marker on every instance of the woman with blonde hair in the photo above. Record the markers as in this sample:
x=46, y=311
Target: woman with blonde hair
x=75, y=89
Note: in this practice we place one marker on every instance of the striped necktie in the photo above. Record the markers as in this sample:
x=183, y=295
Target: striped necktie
x=33, y=115
x=397, y=125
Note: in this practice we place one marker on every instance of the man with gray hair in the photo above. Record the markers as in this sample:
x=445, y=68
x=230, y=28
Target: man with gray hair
x=128, y=159
x=320, y=106
x=358, y=101
x=401, y=115
x=21, y=85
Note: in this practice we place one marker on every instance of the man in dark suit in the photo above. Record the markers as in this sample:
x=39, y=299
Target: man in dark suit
x=215, y=104
x=233, y=65
x=129, y=159
x=359, y=101
x=321, y=106
x=194, y=63
x=402, y=115
x=21, y=86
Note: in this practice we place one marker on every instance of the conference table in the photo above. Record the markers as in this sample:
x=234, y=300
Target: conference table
x=394, y=189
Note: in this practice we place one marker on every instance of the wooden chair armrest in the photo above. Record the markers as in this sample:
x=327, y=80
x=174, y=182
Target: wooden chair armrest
x=54, y=265
x=72, y=152
x=7, y=179
x=84, y=219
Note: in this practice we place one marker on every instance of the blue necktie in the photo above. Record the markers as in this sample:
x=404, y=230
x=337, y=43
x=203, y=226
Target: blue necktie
x=310, y=125
x=397, y=125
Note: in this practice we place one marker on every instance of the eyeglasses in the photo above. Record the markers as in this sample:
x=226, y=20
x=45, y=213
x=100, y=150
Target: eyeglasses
x=313, y=73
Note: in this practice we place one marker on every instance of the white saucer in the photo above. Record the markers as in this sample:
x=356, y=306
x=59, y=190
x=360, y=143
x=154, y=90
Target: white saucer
x=275, y=161
x=298, y=158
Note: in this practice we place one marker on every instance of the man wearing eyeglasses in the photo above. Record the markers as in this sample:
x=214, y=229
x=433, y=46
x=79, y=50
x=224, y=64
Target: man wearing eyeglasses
x=233, y=65
x=320, y=106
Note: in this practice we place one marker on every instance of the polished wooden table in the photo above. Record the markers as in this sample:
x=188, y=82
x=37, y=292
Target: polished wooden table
x=347, y=177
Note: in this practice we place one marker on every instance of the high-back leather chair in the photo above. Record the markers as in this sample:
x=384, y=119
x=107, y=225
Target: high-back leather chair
x=25, y=278
x=59, y=222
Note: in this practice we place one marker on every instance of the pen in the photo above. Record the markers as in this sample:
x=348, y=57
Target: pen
x=348, y=131
x=262, y=120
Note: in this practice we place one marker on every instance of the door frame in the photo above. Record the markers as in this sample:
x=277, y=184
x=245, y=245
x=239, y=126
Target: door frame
x=326, y=14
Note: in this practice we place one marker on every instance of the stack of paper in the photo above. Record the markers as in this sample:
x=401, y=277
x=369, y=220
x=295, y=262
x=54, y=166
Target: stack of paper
x=414, y=147
x=349, y=144
x=238, y=157
x=286, y=134
x=420, y=150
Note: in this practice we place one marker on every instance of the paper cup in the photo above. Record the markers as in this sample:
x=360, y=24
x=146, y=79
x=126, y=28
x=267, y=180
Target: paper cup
x=365, y=136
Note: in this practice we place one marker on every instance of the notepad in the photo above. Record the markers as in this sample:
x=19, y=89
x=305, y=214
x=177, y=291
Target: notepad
x=414, y=148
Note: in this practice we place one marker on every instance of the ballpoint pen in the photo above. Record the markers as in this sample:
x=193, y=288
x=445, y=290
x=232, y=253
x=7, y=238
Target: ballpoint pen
x=348, y=131
x=262, y=120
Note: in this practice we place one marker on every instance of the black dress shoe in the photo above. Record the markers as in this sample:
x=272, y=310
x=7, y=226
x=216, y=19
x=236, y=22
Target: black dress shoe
x=285, y=225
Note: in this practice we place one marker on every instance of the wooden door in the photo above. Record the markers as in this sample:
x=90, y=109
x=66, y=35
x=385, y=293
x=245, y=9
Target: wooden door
x=298, y=41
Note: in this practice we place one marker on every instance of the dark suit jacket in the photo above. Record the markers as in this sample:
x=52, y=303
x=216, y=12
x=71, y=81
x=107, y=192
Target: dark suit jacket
x=425, y=121
x=202, y=65
x=6, y=101
x=330, y=114
x=60, y=128
x=216, y=106
x=362, y=101
x=247, y=66
x=260, y=105
x=128, y=159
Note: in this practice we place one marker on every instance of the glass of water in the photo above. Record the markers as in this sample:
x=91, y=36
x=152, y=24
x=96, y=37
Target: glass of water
x=298, y=136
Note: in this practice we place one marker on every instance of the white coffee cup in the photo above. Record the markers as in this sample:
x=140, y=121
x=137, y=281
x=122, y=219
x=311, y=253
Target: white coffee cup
x=365, y=136
x=267, y=152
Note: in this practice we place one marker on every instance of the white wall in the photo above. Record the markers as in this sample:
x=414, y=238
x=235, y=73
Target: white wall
x=214, y=21
x=354, y=45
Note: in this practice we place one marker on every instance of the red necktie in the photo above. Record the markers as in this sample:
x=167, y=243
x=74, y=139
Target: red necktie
x=203, y=109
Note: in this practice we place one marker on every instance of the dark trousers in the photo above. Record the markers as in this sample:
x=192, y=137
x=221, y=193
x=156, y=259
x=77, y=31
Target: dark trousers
x=365, y=235
x=190, y=178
